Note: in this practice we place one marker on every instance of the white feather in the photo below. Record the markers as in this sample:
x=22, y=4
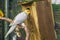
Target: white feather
x=20, y=18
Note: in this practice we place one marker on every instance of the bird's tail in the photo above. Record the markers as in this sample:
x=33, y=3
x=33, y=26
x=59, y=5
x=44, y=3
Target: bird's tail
x=10, y=30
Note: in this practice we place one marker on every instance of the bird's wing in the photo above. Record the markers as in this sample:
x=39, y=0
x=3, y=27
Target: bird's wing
x=11, y=23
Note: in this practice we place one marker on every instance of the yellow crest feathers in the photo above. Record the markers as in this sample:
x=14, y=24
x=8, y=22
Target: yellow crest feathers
x=1, y=13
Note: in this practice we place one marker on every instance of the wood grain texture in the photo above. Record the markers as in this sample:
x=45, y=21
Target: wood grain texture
x=32, y=22
x=41, y=21
x=45, y=20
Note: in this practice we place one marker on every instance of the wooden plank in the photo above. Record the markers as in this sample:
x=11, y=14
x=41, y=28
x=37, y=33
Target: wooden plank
x=45, y=20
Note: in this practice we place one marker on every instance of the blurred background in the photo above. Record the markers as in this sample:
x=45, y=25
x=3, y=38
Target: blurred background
x=10, y=9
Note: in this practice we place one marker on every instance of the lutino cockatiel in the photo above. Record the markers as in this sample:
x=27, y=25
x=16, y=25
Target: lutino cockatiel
x=19, y=19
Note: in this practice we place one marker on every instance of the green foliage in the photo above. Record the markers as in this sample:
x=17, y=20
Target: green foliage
x=28, y=0
x=56, y=7
x=56, y=10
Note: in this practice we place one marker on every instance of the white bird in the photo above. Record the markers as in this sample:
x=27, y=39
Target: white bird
x=19, y=19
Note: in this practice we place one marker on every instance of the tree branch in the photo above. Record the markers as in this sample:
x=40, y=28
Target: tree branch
x=6, y=19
